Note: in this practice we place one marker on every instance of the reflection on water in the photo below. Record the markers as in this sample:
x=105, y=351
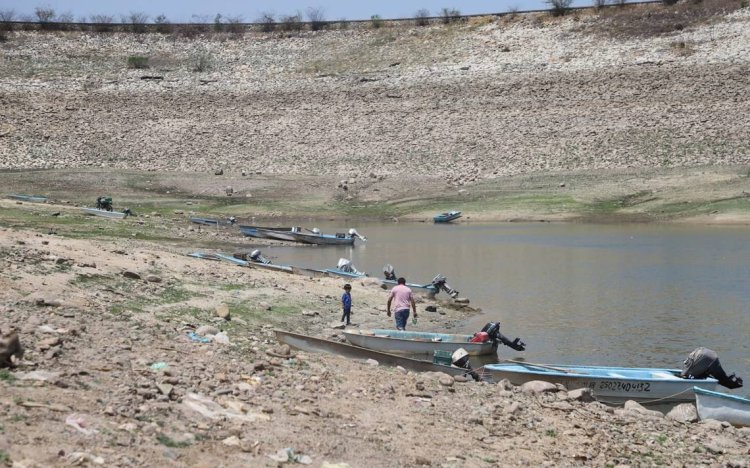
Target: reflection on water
x=627, y=295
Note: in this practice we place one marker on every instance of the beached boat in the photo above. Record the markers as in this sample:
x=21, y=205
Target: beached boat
x=722, y=407
x=318, y=238
x=446, y=217
x=213, y=222
x=405, y=342
x=278, y=235
x=105, y=213
x=430, y=289
x=608, y=384
x=318, y=345
x=259, y=231
x=28, y=198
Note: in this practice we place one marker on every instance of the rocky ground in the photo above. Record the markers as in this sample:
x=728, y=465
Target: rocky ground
x=111, y=377
x=471, y=101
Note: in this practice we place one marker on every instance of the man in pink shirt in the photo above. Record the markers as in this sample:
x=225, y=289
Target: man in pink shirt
x=403, y=298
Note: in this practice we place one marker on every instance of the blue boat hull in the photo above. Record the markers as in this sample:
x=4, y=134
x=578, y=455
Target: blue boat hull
x=608, y=384
x=447, y=217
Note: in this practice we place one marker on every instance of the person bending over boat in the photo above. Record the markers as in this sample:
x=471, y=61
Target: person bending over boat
x=403, y=298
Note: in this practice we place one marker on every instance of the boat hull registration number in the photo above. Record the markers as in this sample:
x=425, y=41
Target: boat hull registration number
x=616, y=386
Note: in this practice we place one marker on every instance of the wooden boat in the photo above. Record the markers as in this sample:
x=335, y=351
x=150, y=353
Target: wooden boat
x=608, y=384
x=723, y=407
x=28, y=198
x=446, y=217
x=405, y=342
x=318, y=345
x=259, y=232
x=212, y=222
x=105, y=213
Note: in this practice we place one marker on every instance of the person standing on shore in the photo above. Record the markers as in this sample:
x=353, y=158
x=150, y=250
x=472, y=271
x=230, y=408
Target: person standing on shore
x=403, y=299
x=346, y=304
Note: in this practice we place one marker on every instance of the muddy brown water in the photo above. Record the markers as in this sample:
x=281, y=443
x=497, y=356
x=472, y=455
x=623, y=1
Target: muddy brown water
x=638, y=295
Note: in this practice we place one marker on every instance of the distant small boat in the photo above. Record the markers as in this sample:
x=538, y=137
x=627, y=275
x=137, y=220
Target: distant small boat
x=446, y=217
x=213, y=222
x=405, y=342
x=723, y=407
x=28, y=198
x=259, y=231
x=608, y=384
x=105, y=213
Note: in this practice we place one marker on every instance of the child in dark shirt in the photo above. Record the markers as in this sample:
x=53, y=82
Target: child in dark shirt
x=346, y=304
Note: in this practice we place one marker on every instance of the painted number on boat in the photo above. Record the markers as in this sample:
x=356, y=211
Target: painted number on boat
x=613, y=385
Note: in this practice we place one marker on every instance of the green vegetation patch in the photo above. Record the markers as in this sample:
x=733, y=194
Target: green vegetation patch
x=138, y=62
x=6, y=376
x=169, y=442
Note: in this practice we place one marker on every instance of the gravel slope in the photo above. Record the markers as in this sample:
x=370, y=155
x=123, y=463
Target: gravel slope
x=464, y=102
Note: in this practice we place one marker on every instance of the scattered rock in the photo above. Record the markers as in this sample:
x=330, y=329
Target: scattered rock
x=222, y=311
x=581, y=394
x=232, y=441
x=131, y=275
x=338, y=325
x=538, y=386
x=431, y=308
x=153, y=279
x=206, y=330
x=446, y=380
x=685, y=412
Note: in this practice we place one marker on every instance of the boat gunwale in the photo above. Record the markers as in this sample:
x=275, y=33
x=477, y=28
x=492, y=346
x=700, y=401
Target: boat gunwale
x=539, y=371
x=723, y=396
x=389, y=338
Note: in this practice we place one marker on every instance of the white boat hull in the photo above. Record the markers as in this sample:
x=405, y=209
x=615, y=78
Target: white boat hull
x=388, y=341
x=723, y=407
x=608, y=384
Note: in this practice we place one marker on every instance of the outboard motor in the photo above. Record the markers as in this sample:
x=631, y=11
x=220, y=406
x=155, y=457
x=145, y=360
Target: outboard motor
x=460, y=358
x=704, y=362
x=127, y=212
x=257, y=257
x=389, y=272
x=440, y=284
x=493, y=331
x=346, y=265
x=353, y=233
x=232, y=220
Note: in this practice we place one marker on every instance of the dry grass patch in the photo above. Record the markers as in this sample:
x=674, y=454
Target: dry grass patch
x=658, y=19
